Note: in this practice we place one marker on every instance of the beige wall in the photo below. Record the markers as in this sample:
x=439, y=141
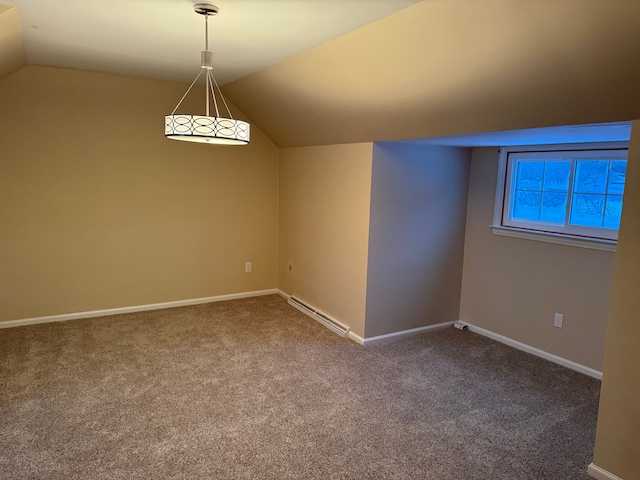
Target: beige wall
x=618, y=436
x=98, y=210
x=513, y=286
x=456, y=66
x=416, y=236
x=324, y=228
x=12, y=52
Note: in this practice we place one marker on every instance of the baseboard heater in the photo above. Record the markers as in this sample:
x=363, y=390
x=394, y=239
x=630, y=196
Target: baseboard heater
x=331, y=323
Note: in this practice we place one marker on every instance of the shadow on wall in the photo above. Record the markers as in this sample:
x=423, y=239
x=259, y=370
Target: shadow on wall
x=416, y=236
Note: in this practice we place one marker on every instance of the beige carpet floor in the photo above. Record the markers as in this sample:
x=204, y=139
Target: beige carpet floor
x=253, y=389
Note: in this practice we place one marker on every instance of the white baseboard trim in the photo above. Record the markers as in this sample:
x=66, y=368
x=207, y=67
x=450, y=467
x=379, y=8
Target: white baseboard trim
x=401, y=333
x=137, y=308
x=598, y=473
x=536, y=351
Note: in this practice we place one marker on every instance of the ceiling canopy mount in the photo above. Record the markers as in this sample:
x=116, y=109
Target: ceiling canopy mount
x=205, y=9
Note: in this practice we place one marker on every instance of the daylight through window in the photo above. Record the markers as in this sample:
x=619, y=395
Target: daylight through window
x=572, y=192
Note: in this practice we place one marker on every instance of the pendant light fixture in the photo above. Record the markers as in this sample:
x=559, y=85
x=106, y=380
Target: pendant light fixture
x=206, y=128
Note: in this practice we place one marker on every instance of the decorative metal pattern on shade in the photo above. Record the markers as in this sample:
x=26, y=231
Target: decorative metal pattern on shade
x=199, y=128
x=207, y=128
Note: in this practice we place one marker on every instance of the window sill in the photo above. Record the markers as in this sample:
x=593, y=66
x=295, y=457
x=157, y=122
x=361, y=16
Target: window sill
x=572, y=241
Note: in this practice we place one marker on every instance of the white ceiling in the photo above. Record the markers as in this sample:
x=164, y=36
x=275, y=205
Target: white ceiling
x=162, y=39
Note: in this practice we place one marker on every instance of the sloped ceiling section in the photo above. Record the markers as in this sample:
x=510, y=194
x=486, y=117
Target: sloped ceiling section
x=444, y=67
x=12, y=53
x=162, y=39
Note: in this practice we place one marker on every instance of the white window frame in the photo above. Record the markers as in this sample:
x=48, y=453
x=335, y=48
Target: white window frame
x=573, y=235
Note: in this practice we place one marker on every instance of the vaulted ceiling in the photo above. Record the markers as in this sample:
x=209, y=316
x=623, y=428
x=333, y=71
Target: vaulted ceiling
x=445, y=67
x=312, y=72
x=162, y=39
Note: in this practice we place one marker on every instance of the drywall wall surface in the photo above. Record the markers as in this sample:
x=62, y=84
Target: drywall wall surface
x=451, y=67
x=324, y=228
x=13, y=55
x=618, y=434
x=416, y=236
x=513, y=286
x=99, y=210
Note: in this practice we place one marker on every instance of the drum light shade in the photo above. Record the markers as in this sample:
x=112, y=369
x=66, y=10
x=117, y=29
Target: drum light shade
x=206, y=128
x=197, y=128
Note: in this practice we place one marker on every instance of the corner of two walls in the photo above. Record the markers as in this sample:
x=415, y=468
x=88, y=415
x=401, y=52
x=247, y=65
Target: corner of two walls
x=373, y=235
x=99, y=210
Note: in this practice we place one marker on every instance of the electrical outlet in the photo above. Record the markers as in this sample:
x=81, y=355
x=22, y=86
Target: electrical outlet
x=247, y=267
x=557, y=320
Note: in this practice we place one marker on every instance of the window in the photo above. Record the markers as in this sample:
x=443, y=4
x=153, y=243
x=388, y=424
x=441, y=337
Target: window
x=573, y=191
